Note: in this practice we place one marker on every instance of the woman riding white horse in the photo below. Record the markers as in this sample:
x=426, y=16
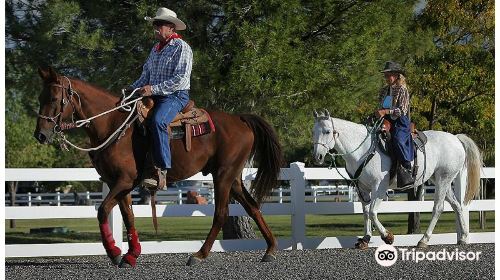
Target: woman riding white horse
x=446, y=155
x=395, y=108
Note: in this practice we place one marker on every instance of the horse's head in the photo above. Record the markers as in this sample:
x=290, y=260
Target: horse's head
x=324, y=136
x=54, y=98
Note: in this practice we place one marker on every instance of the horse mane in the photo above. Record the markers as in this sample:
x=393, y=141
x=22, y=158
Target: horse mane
x=93, y=87
x=345, y=123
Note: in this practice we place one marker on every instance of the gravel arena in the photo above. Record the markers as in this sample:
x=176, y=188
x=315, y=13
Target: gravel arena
x=295, y=264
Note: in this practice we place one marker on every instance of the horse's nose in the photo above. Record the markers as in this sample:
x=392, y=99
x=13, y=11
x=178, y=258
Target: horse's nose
x=318, y=158
x=40, y=137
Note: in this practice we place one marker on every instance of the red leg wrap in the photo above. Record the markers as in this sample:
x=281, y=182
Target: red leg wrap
x=134, y=247
x=129, y=259
x=108, y=242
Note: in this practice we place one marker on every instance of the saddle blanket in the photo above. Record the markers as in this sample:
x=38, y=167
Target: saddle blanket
x=178, y=132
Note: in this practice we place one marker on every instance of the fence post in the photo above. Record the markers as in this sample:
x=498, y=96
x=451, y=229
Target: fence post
x=281, y=194
x=179, y=197
x=297, y=199
x=482, y=214
x=58, y=198
x=29, y=199
x=460, y=185
x=115, y=219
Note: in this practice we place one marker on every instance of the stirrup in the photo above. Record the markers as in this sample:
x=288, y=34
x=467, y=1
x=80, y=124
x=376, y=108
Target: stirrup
x=153, y=183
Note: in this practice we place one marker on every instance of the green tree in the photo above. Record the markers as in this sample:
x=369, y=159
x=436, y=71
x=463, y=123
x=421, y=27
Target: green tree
x=454, y=91
x=277, y=59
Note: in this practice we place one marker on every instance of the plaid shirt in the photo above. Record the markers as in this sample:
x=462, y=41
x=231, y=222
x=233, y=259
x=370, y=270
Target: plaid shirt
x=400, y=98
x=167, y=70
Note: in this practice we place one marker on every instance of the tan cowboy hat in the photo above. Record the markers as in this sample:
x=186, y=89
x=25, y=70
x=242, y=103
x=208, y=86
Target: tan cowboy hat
x=168, y=15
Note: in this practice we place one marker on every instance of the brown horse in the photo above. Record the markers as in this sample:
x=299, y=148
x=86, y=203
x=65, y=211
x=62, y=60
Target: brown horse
x=222, y=153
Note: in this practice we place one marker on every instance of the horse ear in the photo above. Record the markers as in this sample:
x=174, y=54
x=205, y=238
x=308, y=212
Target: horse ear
x=327, y=114
x=53, y=74
x=47, y=74
x=315, y=114
x=44, y=73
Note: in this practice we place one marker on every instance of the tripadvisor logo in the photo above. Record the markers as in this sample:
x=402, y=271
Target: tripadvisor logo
x=387, y=255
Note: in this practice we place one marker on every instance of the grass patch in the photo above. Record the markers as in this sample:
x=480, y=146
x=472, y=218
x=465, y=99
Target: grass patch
x=196, y=228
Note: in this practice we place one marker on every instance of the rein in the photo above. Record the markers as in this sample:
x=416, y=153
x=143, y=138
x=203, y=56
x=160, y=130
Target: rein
x=371, y=150
x=60, y=126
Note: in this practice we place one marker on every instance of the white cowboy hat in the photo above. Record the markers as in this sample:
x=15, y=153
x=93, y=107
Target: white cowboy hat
x=168, y=15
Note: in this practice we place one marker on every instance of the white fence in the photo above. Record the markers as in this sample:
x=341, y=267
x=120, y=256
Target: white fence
x=177, y=196
x=297, y=209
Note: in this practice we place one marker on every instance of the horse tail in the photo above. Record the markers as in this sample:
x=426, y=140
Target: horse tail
x=474, y=162
x=268, y=154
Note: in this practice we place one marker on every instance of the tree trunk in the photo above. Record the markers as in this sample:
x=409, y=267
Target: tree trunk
x=237, y=227
x=414, y=218
x=433, y=113
x=417, y=193
x=12, y=192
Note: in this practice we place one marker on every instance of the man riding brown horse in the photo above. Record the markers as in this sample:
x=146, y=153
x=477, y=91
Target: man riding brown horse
x=166, y=77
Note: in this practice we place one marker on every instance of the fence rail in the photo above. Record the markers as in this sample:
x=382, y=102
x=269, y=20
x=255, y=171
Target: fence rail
x=175, y=196
x=298, y=208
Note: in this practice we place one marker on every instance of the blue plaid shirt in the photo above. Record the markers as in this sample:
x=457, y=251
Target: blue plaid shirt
x=168, y=70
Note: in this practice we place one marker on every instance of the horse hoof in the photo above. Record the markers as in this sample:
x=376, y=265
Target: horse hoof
x=422, y=245
x=389, y=238
x=192, y=261
x=116, y=260
x=128, y=261
x=462, y=242
x=125, y=264
x=268, y=258
x=361, y=244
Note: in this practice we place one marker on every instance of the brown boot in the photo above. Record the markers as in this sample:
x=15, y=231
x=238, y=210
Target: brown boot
x=157, y=180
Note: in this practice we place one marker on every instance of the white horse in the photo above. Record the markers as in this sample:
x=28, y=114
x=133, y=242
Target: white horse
x=446, y=156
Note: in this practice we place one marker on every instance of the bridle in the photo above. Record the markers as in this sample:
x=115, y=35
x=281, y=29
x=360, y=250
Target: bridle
x=331, y=151
x=353, y=178
x=127, y=103
x=327, y=145
x=67, y=94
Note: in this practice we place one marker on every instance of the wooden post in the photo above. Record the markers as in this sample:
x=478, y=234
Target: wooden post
x=459, y=187
x=297, y=188
x=482, y=214
x=115, y=220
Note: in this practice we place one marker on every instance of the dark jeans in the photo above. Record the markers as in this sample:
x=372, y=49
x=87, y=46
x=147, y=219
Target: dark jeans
x=401, y=139
x=164, y=111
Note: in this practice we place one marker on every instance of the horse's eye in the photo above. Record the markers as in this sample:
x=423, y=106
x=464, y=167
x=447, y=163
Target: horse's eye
x=327, y=131
x=53, y=99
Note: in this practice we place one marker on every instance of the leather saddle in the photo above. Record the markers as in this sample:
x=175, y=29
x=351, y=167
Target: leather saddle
x=184, y=122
